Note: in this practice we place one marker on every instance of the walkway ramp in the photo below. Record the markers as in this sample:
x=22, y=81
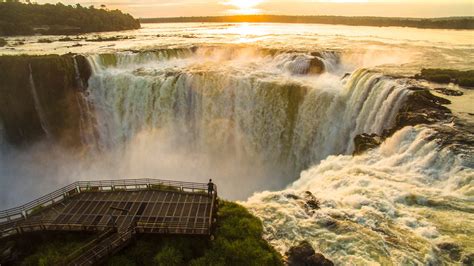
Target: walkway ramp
x=99, y=250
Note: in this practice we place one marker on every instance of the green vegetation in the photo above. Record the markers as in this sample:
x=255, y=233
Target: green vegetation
x=43, y=248
x=27, y=19
x=434, y=23
x=238, y=241
x=462, y=78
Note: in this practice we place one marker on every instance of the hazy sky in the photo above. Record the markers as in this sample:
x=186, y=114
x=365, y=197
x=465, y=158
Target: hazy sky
x=393, y=8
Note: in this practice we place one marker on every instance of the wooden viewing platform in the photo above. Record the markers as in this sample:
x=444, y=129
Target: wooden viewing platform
x=118, y=210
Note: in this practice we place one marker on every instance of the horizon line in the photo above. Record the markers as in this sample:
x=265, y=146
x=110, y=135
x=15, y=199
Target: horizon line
x=275, y=15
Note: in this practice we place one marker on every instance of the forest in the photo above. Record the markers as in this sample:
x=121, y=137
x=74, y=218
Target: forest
x=27, y=19
x=427, y=23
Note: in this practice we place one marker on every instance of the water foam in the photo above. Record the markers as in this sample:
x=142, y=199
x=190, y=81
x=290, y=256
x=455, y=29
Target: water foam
x=392, y=205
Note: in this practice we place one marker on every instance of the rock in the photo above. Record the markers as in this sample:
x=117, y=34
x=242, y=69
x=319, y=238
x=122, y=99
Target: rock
x=85, y=70
x=316, y=66
x=422, y=107
x=468, y=260
x=328, y=223
x=311, y=202
x=304, y=255
x=365, y=142
x=292, y=196
x=452, y=249
x=449, y=92
x=54, y=79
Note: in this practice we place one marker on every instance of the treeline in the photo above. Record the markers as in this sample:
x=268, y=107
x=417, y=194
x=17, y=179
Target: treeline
x=27, y=19
x=432, y=23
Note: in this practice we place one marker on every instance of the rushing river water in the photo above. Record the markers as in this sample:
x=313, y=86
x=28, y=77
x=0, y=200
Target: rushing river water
x=250, y=106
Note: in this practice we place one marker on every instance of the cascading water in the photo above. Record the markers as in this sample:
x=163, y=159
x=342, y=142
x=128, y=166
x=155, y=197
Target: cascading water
x=86, y=115
x=38, y=106
x=394, y=205
x=237, y=106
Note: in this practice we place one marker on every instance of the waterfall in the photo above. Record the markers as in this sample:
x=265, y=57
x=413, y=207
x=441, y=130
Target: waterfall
x=86, y=113
x=388, y=206
x=38, y=107
x=3, y=140
x=250, y=110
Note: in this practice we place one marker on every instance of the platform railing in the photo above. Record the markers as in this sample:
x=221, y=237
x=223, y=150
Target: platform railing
x=22, y=212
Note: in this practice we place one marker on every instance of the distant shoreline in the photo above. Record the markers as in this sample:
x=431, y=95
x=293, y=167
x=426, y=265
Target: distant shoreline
x=457, y=23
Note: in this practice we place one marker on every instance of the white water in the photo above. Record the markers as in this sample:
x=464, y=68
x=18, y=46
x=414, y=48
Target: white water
x=390, y=206
x=240, y=106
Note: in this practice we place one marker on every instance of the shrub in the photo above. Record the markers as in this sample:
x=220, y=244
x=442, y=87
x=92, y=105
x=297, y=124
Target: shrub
x=463, y=78
x=169, y=256
x=466, y=81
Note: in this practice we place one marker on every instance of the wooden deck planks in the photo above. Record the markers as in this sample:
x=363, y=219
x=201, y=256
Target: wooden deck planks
x=153, y=211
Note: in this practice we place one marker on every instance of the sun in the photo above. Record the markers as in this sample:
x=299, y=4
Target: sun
x=243, y=5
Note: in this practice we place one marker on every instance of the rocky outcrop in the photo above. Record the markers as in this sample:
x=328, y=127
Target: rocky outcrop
x=421, y=107
x=451, y=249
x=39, y=98
x=449, y=92
x=304, y=255
x=316, y=66
x=366, y=142
x=468, y=259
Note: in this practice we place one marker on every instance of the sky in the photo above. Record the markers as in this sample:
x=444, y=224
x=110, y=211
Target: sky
x=386, y=8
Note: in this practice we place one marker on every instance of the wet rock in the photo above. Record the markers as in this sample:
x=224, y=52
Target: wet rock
x=311, y=202
x=452, y=249
x=316, y=66
x=468, y=260
x=449, y=92
x=327, y=223
x=292, y=196
x=53, y=79
x=304, y=255
x=365, y=142
x=85, y=70
x=346, y=76
x=422, y=107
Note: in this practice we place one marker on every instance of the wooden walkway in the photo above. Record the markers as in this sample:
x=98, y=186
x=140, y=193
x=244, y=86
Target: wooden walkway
x=125, y=206
x=151, y=206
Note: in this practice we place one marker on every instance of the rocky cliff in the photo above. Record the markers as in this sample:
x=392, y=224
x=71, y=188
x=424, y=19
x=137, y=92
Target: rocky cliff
x=40, y=97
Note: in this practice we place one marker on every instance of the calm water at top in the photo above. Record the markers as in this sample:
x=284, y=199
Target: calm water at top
x=401, y=50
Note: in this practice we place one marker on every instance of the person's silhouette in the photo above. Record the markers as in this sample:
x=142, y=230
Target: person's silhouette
x=210, y=187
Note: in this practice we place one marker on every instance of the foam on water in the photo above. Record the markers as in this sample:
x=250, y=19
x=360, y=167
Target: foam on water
x=253, y=107
x=392, y=205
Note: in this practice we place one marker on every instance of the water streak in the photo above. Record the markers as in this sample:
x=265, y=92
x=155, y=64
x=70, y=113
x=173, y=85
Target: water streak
x=38, y=107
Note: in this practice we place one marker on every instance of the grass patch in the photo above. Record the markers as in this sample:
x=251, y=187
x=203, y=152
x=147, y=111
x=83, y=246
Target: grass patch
x=238, y=241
